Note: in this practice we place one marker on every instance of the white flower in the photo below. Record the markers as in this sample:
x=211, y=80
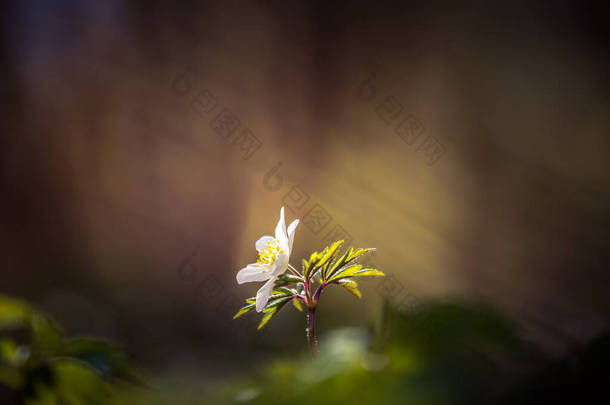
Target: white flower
x=273, y=257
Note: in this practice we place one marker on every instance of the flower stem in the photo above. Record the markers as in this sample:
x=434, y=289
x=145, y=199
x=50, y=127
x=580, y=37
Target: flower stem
x=316, y=295
x=311, y=333
x=295, y=271
x=310, y=303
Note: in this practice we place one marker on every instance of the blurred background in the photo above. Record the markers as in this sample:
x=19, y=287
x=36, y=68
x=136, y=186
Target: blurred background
x=147, y=145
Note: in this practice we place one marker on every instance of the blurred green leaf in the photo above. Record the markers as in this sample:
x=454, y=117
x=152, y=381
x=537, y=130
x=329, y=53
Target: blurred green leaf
x=107, y=359
x=11, y=377
x=8, y=350
x=46, y=334
x=12, y=312
x=44, y=368
x=78, y=384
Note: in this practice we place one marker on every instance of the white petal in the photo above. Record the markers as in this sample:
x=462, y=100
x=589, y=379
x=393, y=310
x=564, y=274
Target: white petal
x=253, y=272
x=262, y=295
x=280, y=229
x=281, y=264
x=260, y=244
x=291, y=228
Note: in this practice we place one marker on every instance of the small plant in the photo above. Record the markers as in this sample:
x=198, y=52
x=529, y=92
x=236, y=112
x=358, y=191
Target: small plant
x=284, y=283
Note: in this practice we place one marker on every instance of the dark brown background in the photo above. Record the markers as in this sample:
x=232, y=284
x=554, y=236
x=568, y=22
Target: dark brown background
x=110, y=179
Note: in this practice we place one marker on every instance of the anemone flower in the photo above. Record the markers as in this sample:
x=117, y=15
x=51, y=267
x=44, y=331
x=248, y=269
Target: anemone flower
x=273, y=258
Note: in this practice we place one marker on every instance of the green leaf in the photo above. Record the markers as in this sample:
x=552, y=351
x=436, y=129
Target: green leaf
x=277, y=302
x=271, y=309
x=339, y=263
x=345, y=272
x=109, y=360
x=359, y=252
x=308, y=266
x=277, y=293
x=287, y=279
x=318, y=260
x=8, y=351
x=283, y=291
x=46, y=334
x=280, y=295
x=297, y=304
x=11, y=377
x=355, y=271
x=12, y=312
x=369, y=272
x=268, y=315
x=300, y=288
x=78, y=384
x=346, y=259
x=244, y=310
x=350, y=285
x=327, y=255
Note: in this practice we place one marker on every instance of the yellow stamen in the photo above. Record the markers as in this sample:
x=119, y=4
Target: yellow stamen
x=269, y=253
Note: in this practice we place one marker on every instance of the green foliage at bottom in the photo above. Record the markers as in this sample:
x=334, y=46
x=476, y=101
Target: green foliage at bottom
x=440, y=353
x=40, y=366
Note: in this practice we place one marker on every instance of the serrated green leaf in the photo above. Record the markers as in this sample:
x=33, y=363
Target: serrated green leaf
x=281, y=295
x=277, y=302
x=321, y=274
x=266, y=317
x=277, y=294
x=318, y=260
x=346, y=259
x=271, y=309
x=287, y=279
x=309, y=266
x=339, y=263
x=327, y=255
x=359, y=252
x=369, y=272
x=300, y=288
x=316, y=275
x=350, y=285
x=283, y=291
x=244, y=310
x=305, y=265
x=345, y=272
x=297, y=304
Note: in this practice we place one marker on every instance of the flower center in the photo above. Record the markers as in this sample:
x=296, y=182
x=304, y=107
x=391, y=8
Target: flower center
x=269, y=253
